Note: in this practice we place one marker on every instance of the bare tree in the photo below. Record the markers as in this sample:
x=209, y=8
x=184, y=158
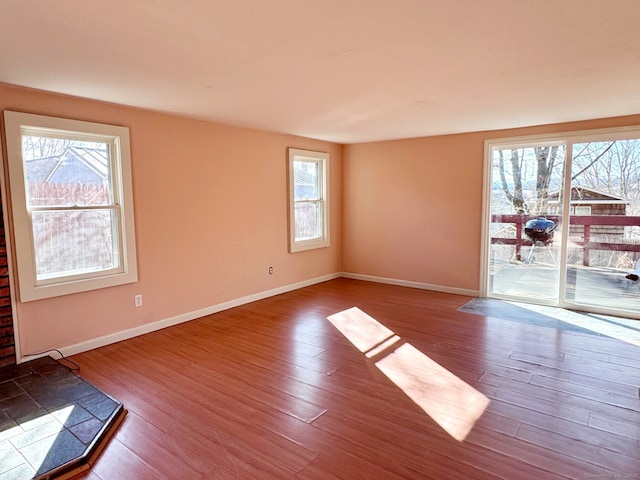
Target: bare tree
x=546, y=162
x=42, y=147
x=514, y=173
x=610, y=167
x=513, y=195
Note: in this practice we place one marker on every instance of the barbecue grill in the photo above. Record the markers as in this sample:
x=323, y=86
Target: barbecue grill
x=540, y=231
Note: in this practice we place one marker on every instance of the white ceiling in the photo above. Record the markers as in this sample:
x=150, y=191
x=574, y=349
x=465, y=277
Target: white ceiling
x=341, y=70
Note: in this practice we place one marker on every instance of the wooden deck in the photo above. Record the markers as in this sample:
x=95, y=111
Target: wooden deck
x=585, y=285
x=273, y=390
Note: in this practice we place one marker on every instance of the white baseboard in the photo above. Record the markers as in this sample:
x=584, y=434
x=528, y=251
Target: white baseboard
x=169, y=322
x=186, y=317
x=406, y=283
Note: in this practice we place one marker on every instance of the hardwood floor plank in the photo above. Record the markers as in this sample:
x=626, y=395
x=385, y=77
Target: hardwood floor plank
x=87, y=475
x=378, y=447
x=628, y=360
x=546, y=461
x=160, y=451
x=624, y=400
x=485, y=459
x=340, y=464
x=251, y=437
x=609, y=438
x=601, y=459
x=597, y=380
x=626, y=429
x=500, y=389
x=365, y=461
x=627, y=372
x=554, y=402
x=118, y=461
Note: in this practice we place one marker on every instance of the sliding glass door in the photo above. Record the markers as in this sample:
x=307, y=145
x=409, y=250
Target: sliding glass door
x=603, y=238
x=562, y=221
x=524, y=221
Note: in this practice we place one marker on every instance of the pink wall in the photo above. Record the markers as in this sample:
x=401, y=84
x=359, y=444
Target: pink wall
x=413, y=208
x=211, y=216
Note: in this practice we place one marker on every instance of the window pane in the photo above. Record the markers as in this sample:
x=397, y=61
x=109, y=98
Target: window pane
x=305, y=181
x=60, y=171
x=604, y=235
x=526, y=218
x=74, y=242
x=308, y=218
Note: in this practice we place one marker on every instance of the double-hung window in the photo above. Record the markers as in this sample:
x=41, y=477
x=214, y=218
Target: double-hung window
x=71, y=204
x=308, y=200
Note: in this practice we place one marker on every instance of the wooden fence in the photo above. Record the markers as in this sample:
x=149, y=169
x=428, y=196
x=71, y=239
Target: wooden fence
x=587, y=222
x=50, y=194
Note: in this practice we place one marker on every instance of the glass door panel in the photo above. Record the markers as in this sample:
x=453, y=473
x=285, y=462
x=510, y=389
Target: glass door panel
x=603, y=246
x=526, y=222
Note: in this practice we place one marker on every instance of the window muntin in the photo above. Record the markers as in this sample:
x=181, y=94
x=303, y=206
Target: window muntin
x=308, y=220
x=71, y=204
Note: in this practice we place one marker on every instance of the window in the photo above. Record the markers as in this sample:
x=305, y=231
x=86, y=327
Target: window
x=308, y=200
x=581, y=210
x=72, y=205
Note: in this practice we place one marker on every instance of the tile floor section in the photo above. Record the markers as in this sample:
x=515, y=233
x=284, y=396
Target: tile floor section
x=51, y=421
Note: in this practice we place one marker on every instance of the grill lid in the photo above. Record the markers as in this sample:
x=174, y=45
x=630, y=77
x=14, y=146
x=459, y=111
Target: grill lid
x=540, y=230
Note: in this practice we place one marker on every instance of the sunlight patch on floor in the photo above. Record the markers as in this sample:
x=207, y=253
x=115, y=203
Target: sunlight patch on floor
x=626, y=330
x=45, y=445
x=452, y=403
x=364, y=331
x=448, y=400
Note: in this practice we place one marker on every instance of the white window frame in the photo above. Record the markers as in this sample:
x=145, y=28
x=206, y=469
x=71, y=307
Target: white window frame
x=322, y=160
x=30, y=288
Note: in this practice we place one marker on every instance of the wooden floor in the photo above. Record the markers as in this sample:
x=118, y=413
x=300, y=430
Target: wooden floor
x=272, y=390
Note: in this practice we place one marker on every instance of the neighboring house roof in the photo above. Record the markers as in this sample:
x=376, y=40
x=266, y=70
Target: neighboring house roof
x=584, y=195
x=302, y=178
x=75, y=165
x=39, y=169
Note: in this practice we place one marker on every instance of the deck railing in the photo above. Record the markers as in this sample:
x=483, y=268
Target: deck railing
x=587, y=221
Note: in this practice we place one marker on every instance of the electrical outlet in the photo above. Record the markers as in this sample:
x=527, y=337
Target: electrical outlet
x=138, y=300
x=270, y=270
